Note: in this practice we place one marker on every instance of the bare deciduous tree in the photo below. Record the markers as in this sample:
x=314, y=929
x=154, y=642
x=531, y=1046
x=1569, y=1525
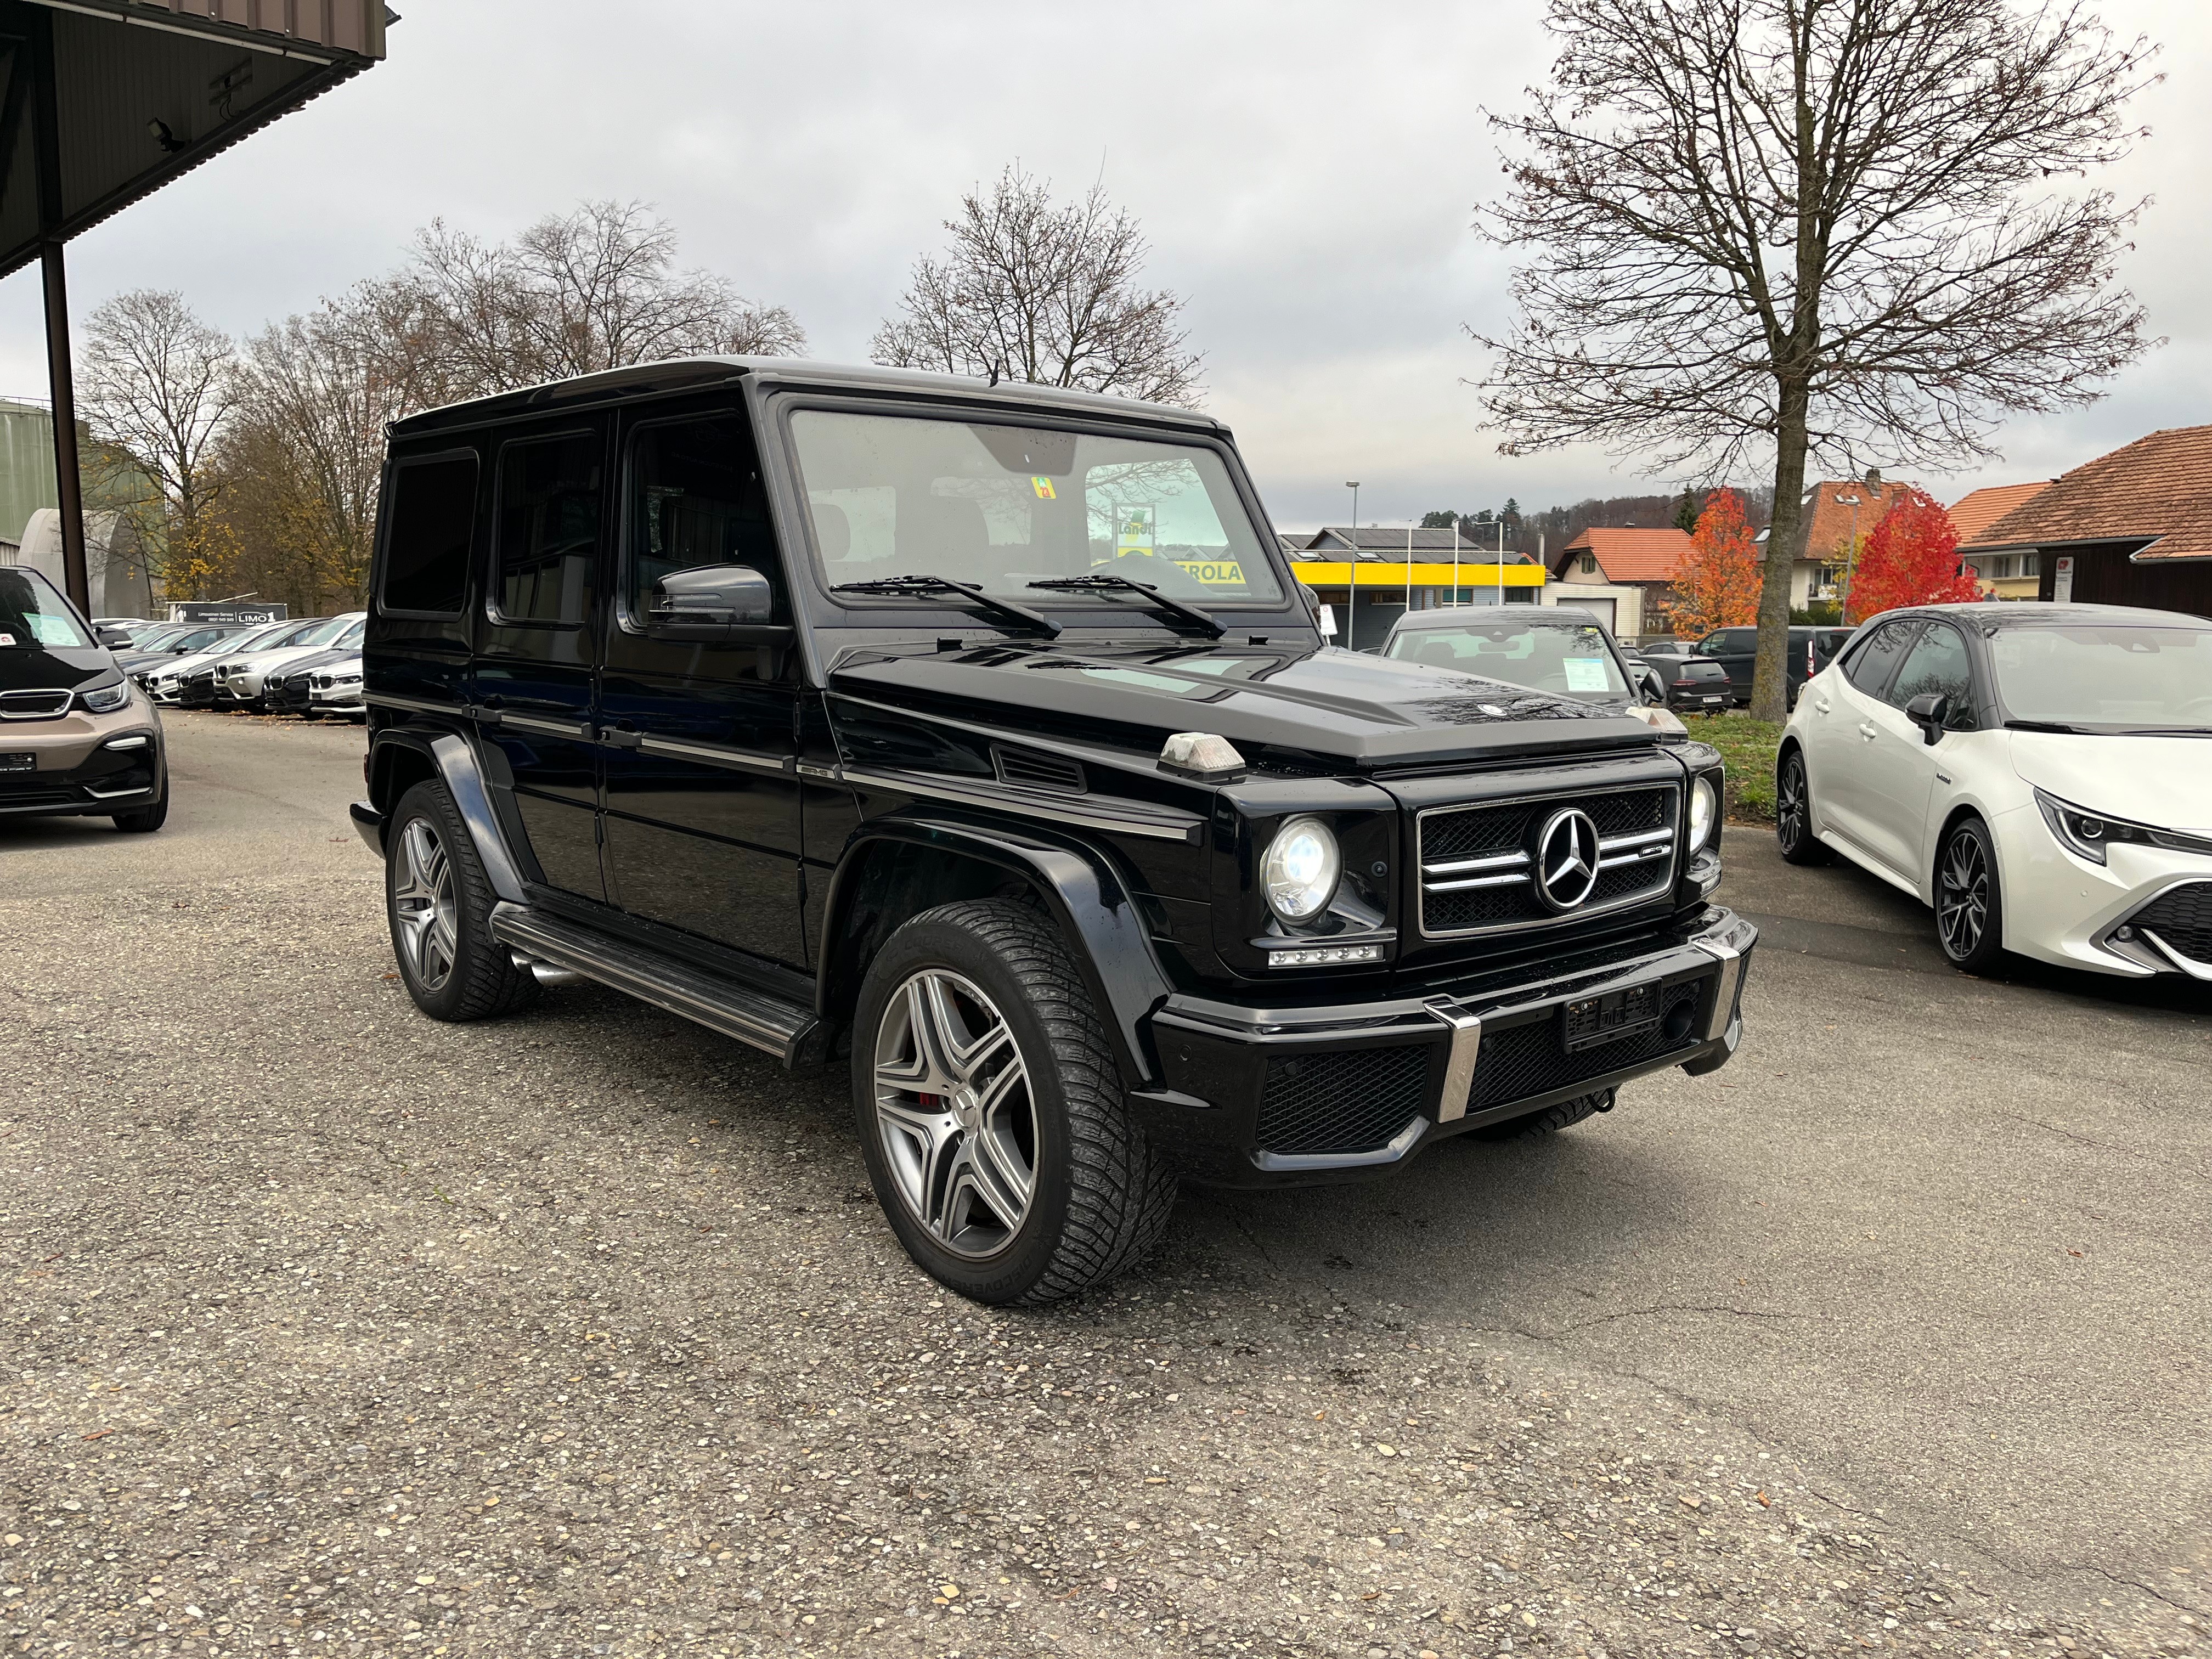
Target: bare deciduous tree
x=1821, y=227
x=304, y=455
x=155, y=388
x=1032, y=291
x=574, y=294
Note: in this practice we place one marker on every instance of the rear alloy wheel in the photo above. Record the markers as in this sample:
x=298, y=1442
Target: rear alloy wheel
x=991, y=1110
x=1969, y=907
x=438, y=901
x=1793, y=813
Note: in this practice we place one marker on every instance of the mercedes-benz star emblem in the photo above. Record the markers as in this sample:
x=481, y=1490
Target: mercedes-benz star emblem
x=1567, y=859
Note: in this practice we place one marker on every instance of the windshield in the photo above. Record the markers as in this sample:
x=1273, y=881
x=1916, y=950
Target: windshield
x=1559, y=657
x=323, y=633
x=1001, y=507
x=32, y=614
x=2127, y=677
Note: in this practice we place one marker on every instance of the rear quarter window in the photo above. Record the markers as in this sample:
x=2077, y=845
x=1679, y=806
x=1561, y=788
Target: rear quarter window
x=429, y=523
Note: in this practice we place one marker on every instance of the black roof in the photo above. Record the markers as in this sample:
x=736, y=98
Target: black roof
x=2040, y=613
x=682, y=374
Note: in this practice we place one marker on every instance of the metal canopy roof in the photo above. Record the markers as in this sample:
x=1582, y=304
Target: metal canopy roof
x=145, y=90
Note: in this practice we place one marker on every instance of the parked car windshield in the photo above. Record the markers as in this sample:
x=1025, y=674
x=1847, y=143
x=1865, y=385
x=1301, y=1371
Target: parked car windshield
x=2131, y=678
x=1544, y=656
x=33, y=615
x=1001, y=507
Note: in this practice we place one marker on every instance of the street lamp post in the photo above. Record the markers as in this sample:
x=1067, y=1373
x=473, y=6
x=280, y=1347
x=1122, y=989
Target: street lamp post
x=1352, y=569
x=1850, y=557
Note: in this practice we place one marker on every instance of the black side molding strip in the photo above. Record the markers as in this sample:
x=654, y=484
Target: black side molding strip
x=750, y=1015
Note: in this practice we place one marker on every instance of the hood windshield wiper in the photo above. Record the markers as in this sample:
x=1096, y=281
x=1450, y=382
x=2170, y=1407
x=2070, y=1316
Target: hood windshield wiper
x=2049, y=726
x=1102, y=581
x=1003, y=609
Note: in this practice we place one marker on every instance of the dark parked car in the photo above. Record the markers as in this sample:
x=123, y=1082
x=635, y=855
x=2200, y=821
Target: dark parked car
x=979, y=739
x=1697, y=685
x=1811, y=649
x=177, y=640
x=77, y=739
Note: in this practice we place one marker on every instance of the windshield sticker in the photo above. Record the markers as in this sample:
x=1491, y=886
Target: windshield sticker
x=1585, y=674
x=1043, y=485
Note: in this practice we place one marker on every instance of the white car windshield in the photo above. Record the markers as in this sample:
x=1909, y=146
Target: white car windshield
x=1001, y=507
x=2133, y=678
x=1567, y=658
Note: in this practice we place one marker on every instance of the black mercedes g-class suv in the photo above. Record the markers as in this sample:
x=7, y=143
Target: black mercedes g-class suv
x=983, y=735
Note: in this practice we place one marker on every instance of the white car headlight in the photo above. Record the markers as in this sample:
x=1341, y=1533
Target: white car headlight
x=1300, y=871
x=105, y=699
x=1705, y=809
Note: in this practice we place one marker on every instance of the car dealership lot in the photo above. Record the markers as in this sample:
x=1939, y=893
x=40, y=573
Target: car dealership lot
x=578, y=1331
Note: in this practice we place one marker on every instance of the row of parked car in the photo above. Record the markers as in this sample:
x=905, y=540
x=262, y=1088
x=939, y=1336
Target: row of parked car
x=306, y=665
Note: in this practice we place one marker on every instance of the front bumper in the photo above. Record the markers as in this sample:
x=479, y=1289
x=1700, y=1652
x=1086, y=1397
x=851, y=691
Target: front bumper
x=76, y=768
x=1258, y=1096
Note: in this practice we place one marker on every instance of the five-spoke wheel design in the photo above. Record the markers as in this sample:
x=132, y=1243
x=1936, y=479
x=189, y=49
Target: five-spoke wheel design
x=1793, y=812
x=955, y=1113
x=422, y=905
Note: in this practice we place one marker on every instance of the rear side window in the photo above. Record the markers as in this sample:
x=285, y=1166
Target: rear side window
x=1876, y=653
x=548, y=529
x=427, y=532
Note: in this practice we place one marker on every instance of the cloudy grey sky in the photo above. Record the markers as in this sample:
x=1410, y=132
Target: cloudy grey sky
x=1306, y=172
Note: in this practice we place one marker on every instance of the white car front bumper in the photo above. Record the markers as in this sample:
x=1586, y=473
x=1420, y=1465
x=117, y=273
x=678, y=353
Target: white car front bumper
x=2062, y=908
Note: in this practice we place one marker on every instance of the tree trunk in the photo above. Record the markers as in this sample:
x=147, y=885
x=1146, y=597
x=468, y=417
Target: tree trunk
x=1770, y=693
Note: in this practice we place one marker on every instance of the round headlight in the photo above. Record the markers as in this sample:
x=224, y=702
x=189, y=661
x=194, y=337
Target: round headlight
x=1705, y=810
x=1299, y=874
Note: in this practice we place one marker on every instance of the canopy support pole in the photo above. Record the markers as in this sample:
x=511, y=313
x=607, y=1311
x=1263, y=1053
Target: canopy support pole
x=46, y=123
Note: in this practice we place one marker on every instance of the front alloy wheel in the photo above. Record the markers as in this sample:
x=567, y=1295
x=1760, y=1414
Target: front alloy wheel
x=954, y=1114
x=1968, y=912
x=992, y=1111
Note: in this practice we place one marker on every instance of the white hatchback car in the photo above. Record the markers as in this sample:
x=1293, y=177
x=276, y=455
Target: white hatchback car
x=2041, y=774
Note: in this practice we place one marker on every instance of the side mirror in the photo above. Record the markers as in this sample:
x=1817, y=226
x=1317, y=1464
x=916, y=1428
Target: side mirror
x=712, y=603
x=1929, y=711
x=114, y=638
x=1654, y=687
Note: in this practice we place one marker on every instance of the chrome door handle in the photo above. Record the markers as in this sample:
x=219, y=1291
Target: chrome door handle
x=1868, y=729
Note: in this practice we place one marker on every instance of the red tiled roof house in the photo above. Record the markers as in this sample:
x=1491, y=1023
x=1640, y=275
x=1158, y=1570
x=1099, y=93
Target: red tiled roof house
x=1621, y=574
x=2133, y=527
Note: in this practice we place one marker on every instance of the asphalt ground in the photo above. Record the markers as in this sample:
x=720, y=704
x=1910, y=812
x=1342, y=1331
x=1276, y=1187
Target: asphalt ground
x=335, y=1330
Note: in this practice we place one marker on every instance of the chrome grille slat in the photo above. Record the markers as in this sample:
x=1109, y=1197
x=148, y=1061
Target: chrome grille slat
x=1479, y=881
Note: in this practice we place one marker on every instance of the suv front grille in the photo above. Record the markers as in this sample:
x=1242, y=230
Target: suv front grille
x=1478, y=863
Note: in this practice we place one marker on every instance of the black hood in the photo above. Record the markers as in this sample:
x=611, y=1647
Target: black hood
x=36, y=668
x=1366, y=713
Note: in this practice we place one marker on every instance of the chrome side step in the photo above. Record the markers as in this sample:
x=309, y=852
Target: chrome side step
x=764, y=1021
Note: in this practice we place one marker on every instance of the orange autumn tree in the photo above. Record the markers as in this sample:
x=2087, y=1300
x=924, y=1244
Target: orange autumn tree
x=1912, y=558
x=1717, y=584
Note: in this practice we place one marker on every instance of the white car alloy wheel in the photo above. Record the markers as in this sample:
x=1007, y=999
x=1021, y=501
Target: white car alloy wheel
x=422, y=906
x=954, y=1112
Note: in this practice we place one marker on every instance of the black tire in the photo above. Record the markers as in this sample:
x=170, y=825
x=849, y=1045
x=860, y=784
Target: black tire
x=1097, y=1197
x=1551, y=1120
x=1793, y=812
x=1969, y=903
x=146, y=819
x=478, y=978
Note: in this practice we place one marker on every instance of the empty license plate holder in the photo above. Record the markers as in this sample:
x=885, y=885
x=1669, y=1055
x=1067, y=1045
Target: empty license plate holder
x=1587, y=1022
